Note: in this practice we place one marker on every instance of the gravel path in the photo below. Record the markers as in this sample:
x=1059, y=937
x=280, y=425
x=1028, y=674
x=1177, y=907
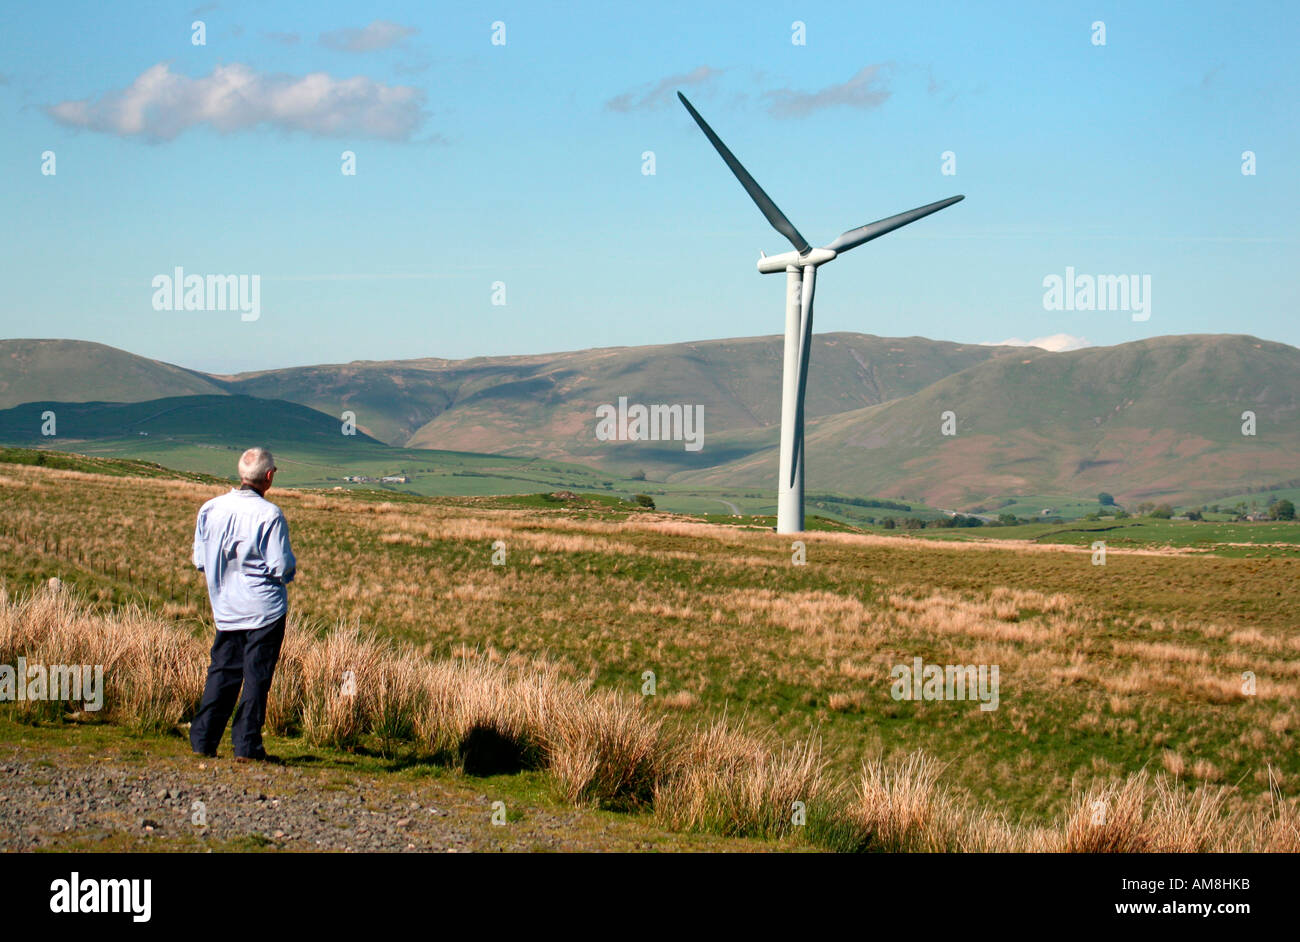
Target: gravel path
x=43, y=807
x=68, y=800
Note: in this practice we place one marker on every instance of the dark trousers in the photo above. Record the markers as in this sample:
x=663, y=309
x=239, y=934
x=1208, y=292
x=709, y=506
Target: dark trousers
x=239, y=658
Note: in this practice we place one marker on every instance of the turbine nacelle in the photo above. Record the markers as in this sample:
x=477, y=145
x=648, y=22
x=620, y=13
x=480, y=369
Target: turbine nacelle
x=771, y=264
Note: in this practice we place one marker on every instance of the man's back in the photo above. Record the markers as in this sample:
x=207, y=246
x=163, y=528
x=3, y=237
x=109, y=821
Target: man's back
x=241, y=543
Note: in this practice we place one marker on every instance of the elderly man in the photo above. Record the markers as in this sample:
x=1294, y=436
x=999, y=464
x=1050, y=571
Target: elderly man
x=241, y=543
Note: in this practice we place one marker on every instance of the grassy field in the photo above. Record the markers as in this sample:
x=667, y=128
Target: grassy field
x=1031, y=506
x=1256, y=540
x=324, y=463
x=1105, y=670
x=1258, y=500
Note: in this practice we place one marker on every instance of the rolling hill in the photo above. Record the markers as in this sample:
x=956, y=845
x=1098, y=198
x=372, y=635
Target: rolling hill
x=206, y=434
x=545, y=405
x=81, y=371
x=532, y=406
x=1153, y=419
x=1157, y=419
x=218, y=418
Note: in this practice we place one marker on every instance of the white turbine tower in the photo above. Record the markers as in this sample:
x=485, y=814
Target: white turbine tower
x=800, y=267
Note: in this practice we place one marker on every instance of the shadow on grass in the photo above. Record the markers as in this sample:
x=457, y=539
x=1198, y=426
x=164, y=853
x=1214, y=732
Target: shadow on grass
x=486, y=750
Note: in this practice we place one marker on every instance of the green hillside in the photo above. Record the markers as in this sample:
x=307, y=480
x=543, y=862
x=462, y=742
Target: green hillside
x=205, y=434
x=80, y=371
x=211, y=418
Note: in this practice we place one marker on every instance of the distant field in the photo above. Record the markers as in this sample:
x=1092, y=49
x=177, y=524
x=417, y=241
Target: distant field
x=1260, y=499
x=314, y=463
x=1033, y=506
x=1104, y=670
x=1266, y=538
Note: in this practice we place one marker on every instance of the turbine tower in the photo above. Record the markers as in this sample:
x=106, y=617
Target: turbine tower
x=800, y=267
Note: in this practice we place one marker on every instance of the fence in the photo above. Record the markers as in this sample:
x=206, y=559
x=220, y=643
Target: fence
x=148, y=590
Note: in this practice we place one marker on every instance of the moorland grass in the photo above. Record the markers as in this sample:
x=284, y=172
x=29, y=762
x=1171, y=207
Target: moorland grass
x=603, y=748
x=1105, y=671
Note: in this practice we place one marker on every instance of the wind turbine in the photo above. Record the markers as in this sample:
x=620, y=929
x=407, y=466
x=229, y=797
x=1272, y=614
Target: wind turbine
x=800, y=267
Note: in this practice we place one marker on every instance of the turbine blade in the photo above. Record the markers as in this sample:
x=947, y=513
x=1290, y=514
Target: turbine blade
x=855, y=237
x=777, y=218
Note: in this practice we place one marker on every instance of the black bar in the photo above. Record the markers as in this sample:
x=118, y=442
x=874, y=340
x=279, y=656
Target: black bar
x=941, y=894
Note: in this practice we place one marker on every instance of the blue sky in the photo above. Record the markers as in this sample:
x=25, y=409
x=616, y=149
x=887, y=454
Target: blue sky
x=522, y=163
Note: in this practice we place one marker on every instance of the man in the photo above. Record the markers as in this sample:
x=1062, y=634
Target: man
x=241, y=543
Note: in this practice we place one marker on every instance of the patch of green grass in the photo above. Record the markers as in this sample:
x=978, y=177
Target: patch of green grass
x=64, y=461
x=1246, y=539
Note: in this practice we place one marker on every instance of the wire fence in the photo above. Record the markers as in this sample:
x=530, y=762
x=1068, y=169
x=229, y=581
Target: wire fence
x=149, y=589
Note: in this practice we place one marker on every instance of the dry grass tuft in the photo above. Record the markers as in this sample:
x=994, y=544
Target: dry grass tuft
x=340, y=678
x=1146, y=815
x=725, y=780
x=153, y=675
x=603, y=748
x=899, y=807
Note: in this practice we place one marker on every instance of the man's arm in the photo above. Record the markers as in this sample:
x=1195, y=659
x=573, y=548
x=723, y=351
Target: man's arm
x=199, y=542
x=279, y=556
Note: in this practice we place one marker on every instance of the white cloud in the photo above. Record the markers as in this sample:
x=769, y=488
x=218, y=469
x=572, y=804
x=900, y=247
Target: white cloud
x=1057, y=343
x=160, y=104
x=866, y=89
x=657, y=94
x=380, y=34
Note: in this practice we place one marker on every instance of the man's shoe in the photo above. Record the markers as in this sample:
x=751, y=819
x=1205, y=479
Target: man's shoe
x=205, y=755
x=264, y=757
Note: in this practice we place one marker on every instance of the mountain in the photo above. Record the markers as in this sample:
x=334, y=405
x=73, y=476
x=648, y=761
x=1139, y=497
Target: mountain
x=545, y=404
x=540, y=405
x=80, y=371
x=1157, y=419
x=1152, y=419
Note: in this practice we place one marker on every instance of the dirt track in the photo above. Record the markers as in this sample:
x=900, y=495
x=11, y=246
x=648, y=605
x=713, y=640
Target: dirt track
x=134, y=798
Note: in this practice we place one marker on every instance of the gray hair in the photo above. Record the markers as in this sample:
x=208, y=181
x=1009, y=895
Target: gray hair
x=253, y=465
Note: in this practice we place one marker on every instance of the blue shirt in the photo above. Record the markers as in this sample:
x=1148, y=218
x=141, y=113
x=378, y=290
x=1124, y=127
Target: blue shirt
x=241, y=543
